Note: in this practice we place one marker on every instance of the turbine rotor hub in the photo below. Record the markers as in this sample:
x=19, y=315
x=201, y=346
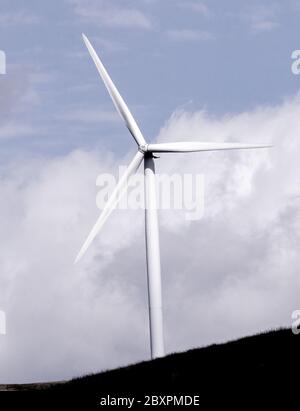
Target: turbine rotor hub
x=143, y=148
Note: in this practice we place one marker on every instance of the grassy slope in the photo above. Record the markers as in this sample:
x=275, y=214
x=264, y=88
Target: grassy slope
x=258, y=369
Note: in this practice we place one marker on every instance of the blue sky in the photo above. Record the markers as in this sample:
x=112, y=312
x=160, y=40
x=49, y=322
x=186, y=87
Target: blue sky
x=223, y=57
x=189, y=70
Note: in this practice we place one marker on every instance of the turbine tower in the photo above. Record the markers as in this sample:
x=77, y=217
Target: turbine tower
x=146, y=153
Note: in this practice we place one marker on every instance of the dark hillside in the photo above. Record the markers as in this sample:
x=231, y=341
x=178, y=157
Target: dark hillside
x=261, y=370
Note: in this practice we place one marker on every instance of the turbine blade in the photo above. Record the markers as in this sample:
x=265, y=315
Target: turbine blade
x=115, y=96
x=185, y=147
x=112, y=202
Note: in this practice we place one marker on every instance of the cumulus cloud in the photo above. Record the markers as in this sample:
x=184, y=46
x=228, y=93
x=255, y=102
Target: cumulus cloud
x=111, y=15
x=21, y=17
x=196, y=6
x=109, y=45
x=259, y=18
x=13, y=130
x=50, y=303
x=232, y=273
x=262, y=19
x=90, y=115
x=189, y=35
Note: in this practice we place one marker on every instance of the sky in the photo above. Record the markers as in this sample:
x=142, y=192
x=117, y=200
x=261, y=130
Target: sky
x=192, y=70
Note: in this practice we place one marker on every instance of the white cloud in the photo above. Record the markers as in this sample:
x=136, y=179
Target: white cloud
x=16, y=130
x=234, y=272
x=189, y=35
x=109, y=45
x=107, y=14
x=262, y=19
x=196, y=6
x=264, y=25
x=258, y=18
x=90, y=115
x=18, y=18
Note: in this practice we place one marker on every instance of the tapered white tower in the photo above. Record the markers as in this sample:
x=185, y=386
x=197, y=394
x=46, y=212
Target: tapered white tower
x=153, y=261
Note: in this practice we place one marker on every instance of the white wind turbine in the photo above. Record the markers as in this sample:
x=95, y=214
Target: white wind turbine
x=146, y=153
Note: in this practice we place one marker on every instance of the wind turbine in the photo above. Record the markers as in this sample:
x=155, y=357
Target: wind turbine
x=145, y=153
